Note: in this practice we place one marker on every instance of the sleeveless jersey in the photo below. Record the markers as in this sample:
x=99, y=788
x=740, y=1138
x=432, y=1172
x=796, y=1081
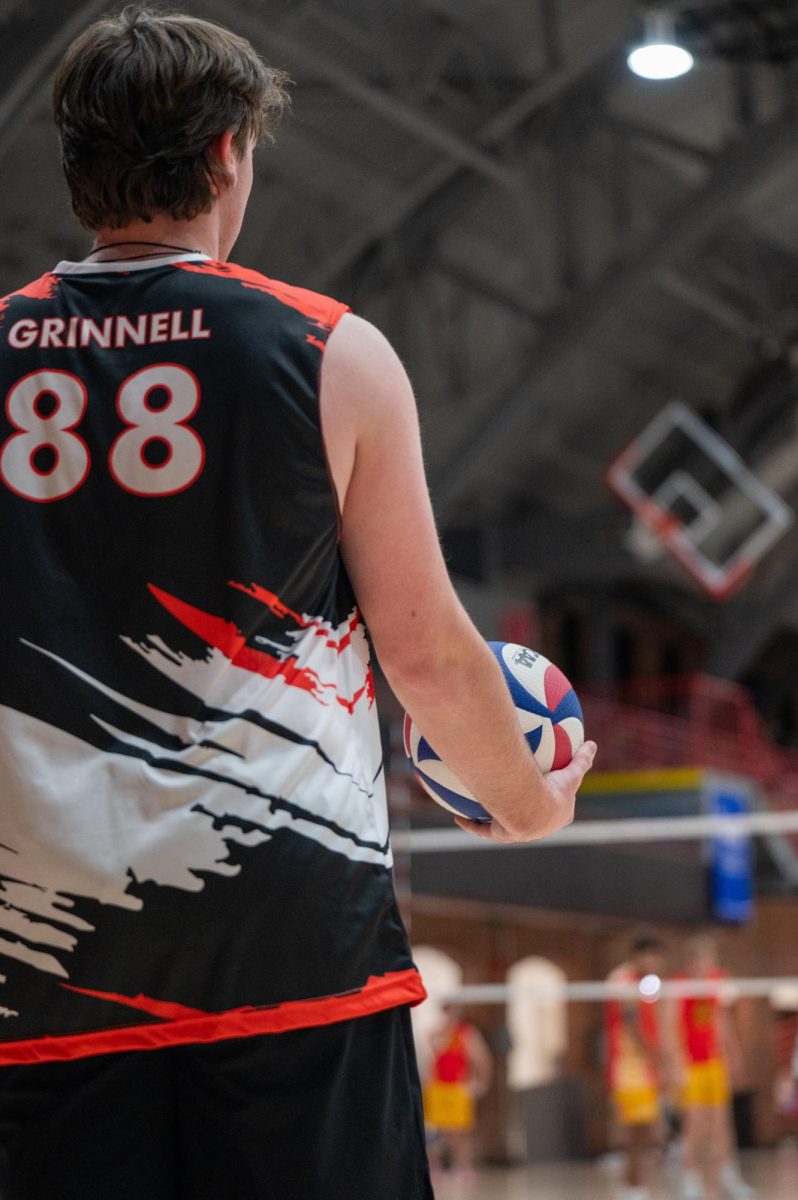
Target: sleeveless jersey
x=193, y=828
x=699, y=1020
x=452, y=1062
x=630, y=1065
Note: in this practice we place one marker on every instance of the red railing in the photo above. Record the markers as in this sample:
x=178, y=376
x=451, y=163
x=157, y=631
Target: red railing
x=694, y=721
x=690, y=721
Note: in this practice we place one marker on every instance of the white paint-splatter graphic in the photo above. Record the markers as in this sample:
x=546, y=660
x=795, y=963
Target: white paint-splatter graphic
x=163, y=807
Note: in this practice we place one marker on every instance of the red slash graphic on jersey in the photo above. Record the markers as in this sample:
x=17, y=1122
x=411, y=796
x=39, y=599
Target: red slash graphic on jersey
x=275, y=605
x=225, y=636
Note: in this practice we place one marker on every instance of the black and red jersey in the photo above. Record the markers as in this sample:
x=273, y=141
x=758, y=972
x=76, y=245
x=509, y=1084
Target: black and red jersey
x=193, y=830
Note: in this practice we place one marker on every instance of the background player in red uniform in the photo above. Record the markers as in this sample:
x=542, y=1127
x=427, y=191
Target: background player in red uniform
x=634, y=1060
x=205, y=978
x=707, y=1050
x=460, y=1073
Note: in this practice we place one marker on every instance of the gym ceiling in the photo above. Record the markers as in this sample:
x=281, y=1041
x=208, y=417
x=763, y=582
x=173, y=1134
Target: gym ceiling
x=556, y=247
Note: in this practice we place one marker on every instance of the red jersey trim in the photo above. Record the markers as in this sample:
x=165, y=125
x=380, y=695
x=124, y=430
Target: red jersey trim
x=43, y=288
x=379, y=993
x=325, y=311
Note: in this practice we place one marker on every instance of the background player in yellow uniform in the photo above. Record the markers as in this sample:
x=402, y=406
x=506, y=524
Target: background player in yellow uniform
x=460, y=1073
x=634, y=1061
x=706, y=1046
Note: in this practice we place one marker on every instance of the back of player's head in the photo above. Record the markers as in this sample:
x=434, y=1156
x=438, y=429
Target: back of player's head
x=701, y=949
x=138, y=99
x=646, y=943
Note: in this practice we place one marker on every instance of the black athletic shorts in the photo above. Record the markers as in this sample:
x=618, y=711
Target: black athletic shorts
x=332, y=1113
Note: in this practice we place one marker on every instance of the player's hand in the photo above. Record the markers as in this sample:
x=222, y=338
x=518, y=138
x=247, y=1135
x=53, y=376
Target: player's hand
x=562, y=786
x=565, y=783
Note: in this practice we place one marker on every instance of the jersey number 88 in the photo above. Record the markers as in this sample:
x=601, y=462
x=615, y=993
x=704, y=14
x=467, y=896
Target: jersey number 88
x=53, y=426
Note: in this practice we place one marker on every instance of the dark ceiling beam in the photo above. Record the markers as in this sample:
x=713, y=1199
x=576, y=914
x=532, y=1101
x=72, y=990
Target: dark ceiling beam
x=507, y=414
x=689, y=293
x=569, y=220
x=300, y=56
x=512, y=299
x=648, y=136
x=433, y=183
x=302, y=157
x=748, y=621
x=28, y=89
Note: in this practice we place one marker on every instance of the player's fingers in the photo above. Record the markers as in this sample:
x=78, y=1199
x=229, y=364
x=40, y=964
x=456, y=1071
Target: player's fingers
x=488, y=831
x=478, y=828
x=571, y=776
x=584, y=756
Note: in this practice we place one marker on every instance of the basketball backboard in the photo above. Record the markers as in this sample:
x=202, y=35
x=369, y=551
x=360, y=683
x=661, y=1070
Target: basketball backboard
x=689, y=488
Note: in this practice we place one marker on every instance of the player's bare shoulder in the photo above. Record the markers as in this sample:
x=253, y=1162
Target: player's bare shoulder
x=359, y=354
x=365, y=395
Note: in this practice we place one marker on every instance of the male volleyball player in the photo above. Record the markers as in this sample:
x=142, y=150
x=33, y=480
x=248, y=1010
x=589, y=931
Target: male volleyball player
x=634, y=1060
x=205, y=980
x=459, y=1076
x=706, y=1041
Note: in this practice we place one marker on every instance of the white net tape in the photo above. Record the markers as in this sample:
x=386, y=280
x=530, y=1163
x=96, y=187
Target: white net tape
x=600, y=833
x=778, y=989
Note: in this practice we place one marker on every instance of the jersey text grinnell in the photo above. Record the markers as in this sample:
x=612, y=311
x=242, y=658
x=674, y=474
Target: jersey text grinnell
x=111, y=333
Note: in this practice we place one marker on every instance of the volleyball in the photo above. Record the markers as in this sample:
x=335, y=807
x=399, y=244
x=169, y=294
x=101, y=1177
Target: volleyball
x=549, y=714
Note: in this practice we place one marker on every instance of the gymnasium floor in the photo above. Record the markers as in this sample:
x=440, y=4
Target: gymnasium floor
x=773, y=1173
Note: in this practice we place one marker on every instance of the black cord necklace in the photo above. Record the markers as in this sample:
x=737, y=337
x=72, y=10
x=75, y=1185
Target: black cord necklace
x=141, y=242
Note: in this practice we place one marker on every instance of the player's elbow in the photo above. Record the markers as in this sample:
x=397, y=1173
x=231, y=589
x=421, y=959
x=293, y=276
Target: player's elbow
x=542, y=817
x=422, y=661
x=411, y=675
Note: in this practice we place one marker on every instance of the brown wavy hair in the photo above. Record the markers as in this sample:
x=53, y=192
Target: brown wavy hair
x=139, y=97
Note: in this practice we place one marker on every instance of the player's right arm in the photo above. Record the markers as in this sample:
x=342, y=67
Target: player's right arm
x=731, y=1045
x=480, y=1063
x=435, y=660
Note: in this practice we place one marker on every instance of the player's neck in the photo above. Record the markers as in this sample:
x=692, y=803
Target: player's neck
x=200, y=235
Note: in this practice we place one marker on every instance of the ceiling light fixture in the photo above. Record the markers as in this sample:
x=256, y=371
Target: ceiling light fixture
x=659, y=56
